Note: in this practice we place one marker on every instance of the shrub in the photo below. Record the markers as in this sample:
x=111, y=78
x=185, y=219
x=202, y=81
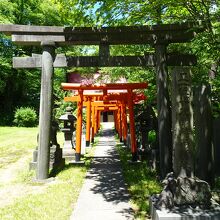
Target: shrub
x=25, y=117
x=152, y=136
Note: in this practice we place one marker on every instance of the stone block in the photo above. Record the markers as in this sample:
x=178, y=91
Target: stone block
x=56, y=159
x=185, y=213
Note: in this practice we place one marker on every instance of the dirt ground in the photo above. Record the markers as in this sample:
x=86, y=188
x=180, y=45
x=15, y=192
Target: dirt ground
x=10, y=186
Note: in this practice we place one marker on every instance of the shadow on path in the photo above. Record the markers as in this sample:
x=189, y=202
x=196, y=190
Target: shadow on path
x=104, y=185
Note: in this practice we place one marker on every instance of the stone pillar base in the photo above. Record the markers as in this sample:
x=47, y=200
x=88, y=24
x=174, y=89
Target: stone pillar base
x=56, y=159
x=185, y=213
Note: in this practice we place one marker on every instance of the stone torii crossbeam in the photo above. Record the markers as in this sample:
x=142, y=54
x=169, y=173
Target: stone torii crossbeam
x=50, y=37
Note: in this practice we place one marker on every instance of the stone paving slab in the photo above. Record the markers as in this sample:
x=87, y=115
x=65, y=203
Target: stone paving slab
x=104, y=195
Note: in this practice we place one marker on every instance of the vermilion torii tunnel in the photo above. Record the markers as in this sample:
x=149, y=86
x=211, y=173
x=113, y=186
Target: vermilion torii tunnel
x=103, y=102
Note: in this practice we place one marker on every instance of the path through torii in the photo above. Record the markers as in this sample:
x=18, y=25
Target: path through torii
x=105, y=101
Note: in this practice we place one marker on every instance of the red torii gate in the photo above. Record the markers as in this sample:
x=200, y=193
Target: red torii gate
x=100, y=101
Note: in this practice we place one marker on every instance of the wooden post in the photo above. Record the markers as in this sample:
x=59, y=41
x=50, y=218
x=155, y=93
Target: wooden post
x=124, y=123
x=115, y=121
x=45, y=110
x=132, y=126
x=120, y=121
x=88, y=122
x=93, y=124
x=164, y=112
x=99, y=120
x=79, y=126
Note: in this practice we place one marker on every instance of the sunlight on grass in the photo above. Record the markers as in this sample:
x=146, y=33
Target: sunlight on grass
x=141, y=182
x=42, y=201
x=54, y=202
x=16, y=143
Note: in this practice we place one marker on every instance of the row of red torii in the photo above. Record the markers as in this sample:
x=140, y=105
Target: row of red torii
x=124, y=97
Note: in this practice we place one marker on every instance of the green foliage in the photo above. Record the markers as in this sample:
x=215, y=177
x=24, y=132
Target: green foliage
x=152, y=136
x=22, y=88
x=59, y=94
x=25, y=117
x=7, y=8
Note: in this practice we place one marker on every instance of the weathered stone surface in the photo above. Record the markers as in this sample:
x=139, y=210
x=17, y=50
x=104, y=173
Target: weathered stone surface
x=183, y=191
x=56, y=159
x=216, y=140
x=182, y=188
x=204, y=168
x=186, y=212
x=191, y=191
x=182, y=123
x=45, y=110
x=164, y=112
x=68, y=129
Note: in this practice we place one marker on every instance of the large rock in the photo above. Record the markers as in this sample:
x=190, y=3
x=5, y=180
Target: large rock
x=183, y=191
x=191, y=191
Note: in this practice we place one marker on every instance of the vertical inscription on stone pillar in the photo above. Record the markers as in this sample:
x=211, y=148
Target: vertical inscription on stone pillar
x=182, y=122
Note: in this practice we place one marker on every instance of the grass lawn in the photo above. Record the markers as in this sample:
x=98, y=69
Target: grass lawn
x=141, y=181
x=20, y=197
x=16, y=143
x=53, y=200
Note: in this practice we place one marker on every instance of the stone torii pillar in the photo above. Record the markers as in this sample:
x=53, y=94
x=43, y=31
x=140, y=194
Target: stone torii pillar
x=163, y=108
x=48, y=57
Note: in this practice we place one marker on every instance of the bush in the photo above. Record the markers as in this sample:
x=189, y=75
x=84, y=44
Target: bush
x=152, y=136
x=25, y=117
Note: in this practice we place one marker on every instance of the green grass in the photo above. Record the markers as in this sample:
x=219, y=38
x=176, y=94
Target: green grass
x=51, y=201
x=16, y=143
x=141, y=183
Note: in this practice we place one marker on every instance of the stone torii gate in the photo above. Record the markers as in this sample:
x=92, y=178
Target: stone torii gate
x=50, y=37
